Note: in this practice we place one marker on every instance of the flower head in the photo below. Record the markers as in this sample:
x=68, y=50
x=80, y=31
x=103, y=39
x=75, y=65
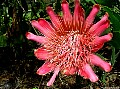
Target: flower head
x=70, y=41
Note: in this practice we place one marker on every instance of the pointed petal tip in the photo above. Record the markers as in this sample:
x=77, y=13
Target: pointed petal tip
x=95, y=79
x=42, y=21
x=97, y=6
x=48, y=9
x=105, y=17
x=27, y=35
x=30, y=36
x=90, y=73
x=33, y=22
x=51, y=81
x=46, y=68
x=48, y=84
x=40, y=72
x=35, y=50
x=110, y=36
x=106, y=13
x=108, y=68
x=77, y=3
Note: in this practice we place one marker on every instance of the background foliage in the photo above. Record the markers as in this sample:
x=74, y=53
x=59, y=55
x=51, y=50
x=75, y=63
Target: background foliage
x=16, y=52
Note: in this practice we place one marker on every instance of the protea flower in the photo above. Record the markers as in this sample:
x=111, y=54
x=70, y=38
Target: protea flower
x=70, y=42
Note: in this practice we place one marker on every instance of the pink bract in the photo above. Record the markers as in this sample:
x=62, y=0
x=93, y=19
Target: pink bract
x=70, y=42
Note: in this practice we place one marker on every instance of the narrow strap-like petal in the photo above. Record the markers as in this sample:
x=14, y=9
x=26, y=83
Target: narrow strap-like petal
x=45, y=68
x=78, y=16
x=66, y=12
x=41, y=54
x=101, y=29
x=36, y=38
x=99, y=41
x=99, y=23
x=88, y=70
x=57, y=21
x=95, y=60
x=51, y=81
x=89, y=20
x=82, y=73
x=54, y=18
x=46, y=26
x=40, y=26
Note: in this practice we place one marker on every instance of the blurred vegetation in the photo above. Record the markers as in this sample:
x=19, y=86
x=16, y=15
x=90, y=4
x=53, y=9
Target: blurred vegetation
x=17, y=56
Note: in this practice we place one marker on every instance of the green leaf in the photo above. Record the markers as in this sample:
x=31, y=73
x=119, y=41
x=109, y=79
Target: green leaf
x=114, y=56
x=114, y=18
x=103, y=78
x=3, y=41
x=35, y=88
x=91, y=1
x=105, y=2
x=115, y=40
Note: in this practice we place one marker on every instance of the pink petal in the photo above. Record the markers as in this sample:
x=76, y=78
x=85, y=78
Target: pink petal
x=46, y=25
x=91, y=16
x=54, y=18
x=78, y=17
x=66, y=11
x=102, y=28
x=95, y=60
x=41, y=54
x=58, y=22
x=45, y=68
x=99, y=41
x=98, y=24
x=91, y=75
x=83, y=73
x=51, y=81
x=36, y=38
x=41, y=28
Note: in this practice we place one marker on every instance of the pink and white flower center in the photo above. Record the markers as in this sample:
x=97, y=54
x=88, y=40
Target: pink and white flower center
x=71, y=50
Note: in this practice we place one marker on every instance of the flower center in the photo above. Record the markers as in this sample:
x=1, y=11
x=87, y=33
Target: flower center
x=71, y=50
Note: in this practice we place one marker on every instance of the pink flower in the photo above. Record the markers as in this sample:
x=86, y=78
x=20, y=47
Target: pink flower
x=70, y=42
